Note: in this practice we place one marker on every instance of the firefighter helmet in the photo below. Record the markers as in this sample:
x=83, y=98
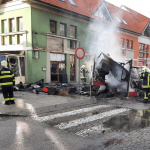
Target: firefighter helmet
x=4, y=63
x=83, y=66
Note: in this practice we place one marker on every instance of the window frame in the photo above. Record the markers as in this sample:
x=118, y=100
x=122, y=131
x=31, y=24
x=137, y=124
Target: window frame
x=65, y=29
x=75, y=32
x=12, y=25
x=20, y=24
x=4, y=26
x=55, y=23
x=131, y=44
x=122, y=42
x=73, y=44
x=127, y=43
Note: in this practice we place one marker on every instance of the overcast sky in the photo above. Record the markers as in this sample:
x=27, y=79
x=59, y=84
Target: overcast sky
x=141, y=6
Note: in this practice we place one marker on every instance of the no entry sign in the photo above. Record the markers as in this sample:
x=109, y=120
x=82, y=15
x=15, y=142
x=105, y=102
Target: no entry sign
x=80, y=53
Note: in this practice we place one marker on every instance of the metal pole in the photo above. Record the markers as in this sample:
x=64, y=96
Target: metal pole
x=79, y=75
x=129, y=77
x=91, y=83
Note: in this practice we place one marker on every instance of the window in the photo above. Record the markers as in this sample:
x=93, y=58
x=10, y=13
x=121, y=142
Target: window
x=20, y=24
x=20, y=39
x=36, y=54
x=118, y=19
x=63, y=29
x=141, y=47
x=72, y=68
x=147, y=48
x=12, y=25
x=122, y=43
x=127, y=44
x=131, y=44
x=62, y=0
x=141, y=55
x=72, y=2
x=58, y=68
x=12, y=39
x=72, y=31
x=4, y=26
x=72, y=44
x=53, y=26
x=4, y=40
x=124, y=22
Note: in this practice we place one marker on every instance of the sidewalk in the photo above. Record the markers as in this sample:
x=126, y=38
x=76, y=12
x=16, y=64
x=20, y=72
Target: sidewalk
x=29, y=103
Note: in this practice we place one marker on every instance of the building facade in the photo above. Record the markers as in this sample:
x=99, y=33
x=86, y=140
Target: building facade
x=39, y=38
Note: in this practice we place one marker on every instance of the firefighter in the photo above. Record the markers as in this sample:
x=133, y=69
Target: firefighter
x=7, y=81
x=146, y=84
x=84, y=71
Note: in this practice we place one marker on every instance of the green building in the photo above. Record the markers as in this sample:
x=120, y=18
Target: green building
x=39, y=40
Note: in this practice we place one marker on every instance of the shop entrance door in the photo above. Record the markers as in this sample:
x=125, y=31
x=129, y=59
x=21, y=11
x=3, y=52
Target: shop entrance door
x=58, y=72
x=55, y=72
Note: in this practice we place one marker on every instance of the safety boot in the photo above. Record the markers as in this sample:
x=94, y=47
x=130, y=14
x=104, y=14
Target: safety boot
x=12, y=102
x=7, y=102
x=145, y=101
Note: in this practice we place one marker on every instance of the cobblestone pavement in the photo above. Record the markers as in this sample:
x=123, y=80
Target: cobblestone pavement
x=138, y=139
x=135, y=140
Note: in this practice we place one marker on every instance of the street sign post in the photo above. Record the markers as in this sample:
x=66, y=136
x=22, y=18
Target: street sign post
x=80, y=54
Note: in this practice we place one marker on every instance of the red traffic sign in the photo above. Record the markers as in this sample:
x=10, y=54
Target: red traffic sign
x=80, y=53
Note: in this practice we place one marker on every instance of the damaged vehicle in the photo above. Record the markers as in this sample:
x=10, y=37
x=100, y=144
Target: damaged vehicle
x=112, y=77
x=16, y=62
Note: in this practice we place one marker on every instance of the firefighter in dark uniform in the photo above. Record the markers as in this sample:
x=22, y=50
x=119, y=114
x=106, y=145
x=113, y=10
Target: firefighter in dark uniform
x=84, y=71
x=146, y=84
x=7, y=81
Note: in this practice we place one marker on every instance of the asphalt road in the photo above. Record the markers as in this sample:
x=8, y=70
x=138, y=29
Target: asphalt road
x=110, y=124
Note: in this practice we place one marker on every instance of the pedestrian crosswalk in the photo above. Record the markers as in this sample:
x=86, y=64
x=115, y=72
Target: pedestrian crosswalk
x=84, y=121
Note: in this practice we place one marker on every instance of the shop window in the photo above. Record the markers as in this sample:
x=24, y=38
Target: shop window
x=58, y=68
x=72, y=44
x=127, y=44
x=63, y=29
x=131, y=44
x=122, y=43
x=4, y=26
x=20, y=24
x=58, y=72
x=73, y=32
x=12, y=39
x=53, y=25
x=72, y=68
x=4, y=40
x=12, y=25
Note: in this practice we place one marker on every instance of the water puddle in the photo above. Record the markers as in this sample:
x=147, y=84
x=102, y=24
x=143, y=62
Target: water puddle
x=133, y=120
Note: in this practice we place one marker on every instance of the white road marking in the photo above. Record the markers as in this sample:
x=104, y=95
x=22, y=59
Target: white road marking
x=94, y=129
x=69, y=113
x=66, y=125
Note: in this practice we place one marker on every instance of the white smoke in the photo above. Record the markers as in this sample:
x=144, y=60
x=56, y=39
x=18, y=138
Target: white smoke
x=106, y=40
